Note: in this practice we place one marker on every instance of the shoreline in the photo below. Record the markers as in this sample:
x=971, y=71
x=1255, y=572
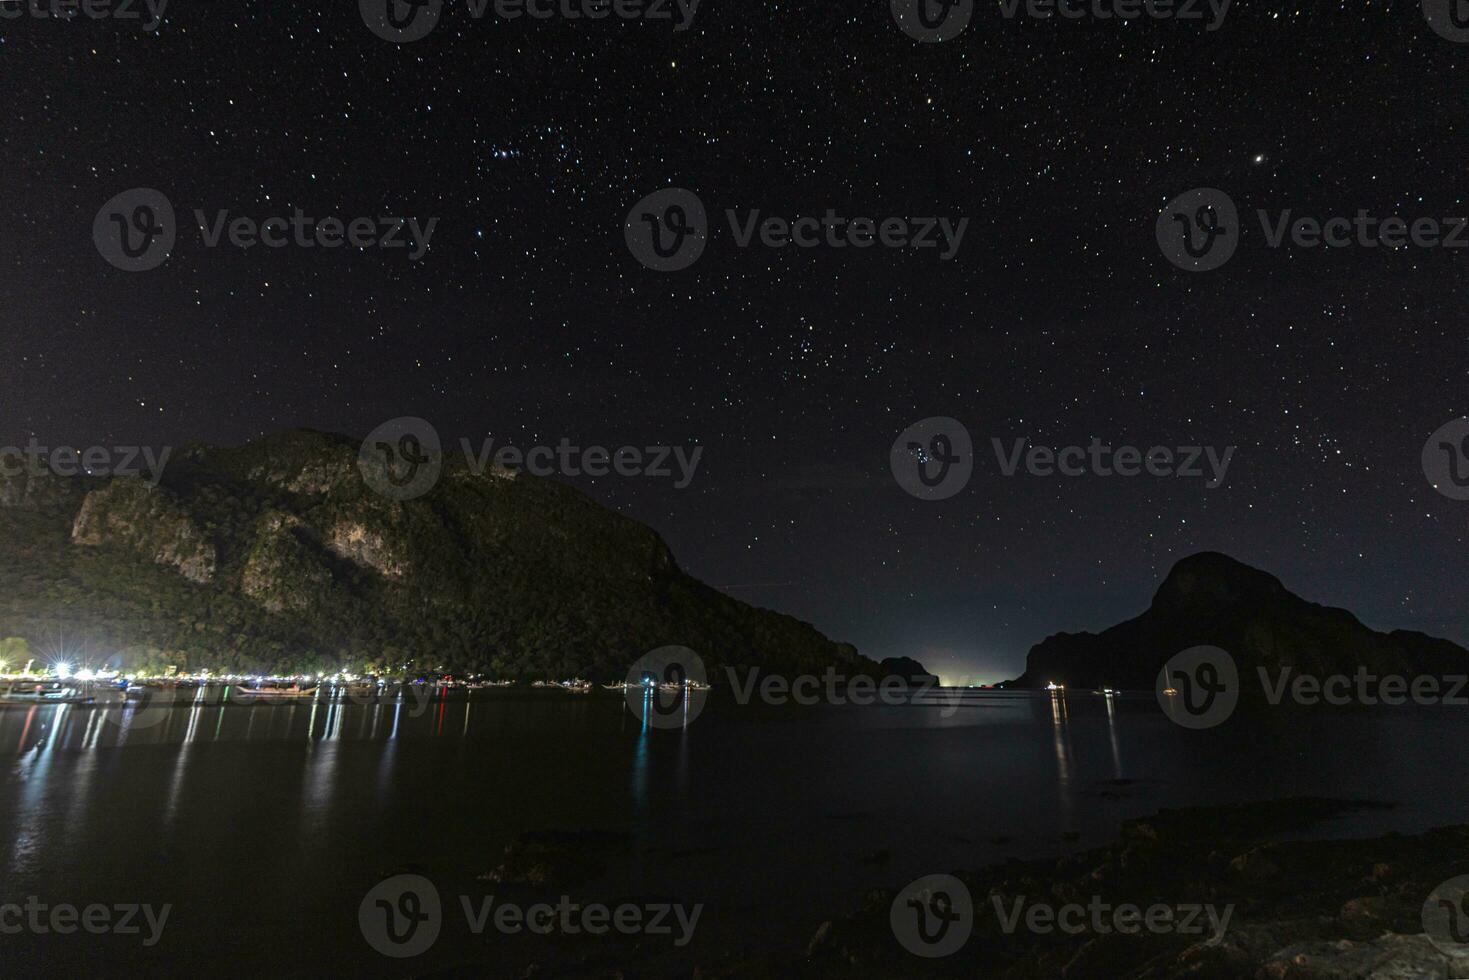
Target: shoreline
x=1298, y=908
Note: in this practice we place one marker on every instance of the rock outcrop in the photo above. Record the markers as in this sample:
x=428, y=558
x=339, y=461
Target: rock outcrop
x=135, y=515
x=1211, y=599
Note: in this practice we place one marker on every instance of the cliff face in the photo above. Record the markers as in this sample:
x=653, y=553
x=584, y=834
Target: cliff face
x=152, y=524
x=1211, y=599
x=277, y=554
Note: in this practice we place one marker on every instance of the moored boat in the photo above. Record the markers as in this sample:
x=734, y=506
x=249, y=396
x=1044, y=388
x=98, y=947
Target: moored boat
x=295, y=692
x=44, y=693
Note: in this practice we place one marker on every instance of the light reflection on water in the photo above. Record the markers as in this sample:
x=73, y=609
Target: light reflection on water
x=752, y=807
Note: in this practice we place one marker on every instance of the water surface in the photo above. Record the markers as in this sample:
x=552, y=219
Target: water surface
x=264, y=826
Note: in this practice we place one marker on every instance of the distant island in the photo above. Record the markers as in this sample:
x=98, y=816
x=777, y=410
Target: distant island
x=1210, y=599
x=276, y=557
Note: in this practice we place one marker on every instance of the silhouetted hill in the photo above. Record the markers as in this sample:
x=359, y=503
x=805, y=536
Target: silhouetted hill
x=277, y=555
x=906, y=667
x=1211, y=599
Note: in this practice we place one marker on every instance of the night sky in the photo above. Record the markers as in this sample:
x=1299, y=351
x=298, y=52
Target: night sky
x=529, y=320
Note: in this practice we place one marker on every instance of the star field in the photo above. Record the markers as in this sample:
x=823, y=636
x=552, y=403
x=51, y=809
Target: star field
x=528, y=320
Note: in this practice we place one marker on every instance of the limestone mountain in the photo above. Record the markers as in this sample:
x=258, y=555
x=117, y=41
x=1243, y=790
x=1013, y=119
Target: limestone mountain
x=276, y=555
x=1212, y=599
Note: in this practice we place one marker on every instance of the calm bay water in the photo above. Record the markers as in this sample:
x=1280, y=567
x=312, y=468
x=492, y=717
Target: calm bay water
x=264, y=826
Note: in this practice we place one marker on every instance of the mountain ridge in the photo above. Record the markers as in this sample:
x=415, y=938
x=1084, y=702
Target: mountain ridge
x=1211, y=599
x=276, y=554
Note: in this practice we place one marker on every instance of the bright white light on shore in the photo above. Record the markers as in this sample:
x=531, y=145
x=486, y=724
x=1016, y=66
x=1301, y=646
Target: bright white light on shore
x=63, y=669
x=86, y=675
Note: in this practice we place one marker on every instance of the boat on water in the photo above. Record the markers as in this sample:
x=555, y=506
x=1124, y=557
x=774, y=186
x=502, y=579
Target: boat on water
x=685, y=686
x=45, y=693
x=295, y=693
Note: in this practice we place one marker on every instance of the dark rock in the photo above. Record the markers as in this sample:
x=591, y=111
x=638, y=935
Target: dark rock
x=908, y=669
x=1365, y=916
x=1390, y=957
x=1112, y=955
x=1211, y=599
x=820, y=939
x=1254, y=865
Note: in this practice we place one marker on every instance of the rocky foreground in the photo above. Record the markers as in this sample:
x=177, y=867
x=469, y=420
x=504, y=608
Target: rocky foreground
x=1301, y=910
